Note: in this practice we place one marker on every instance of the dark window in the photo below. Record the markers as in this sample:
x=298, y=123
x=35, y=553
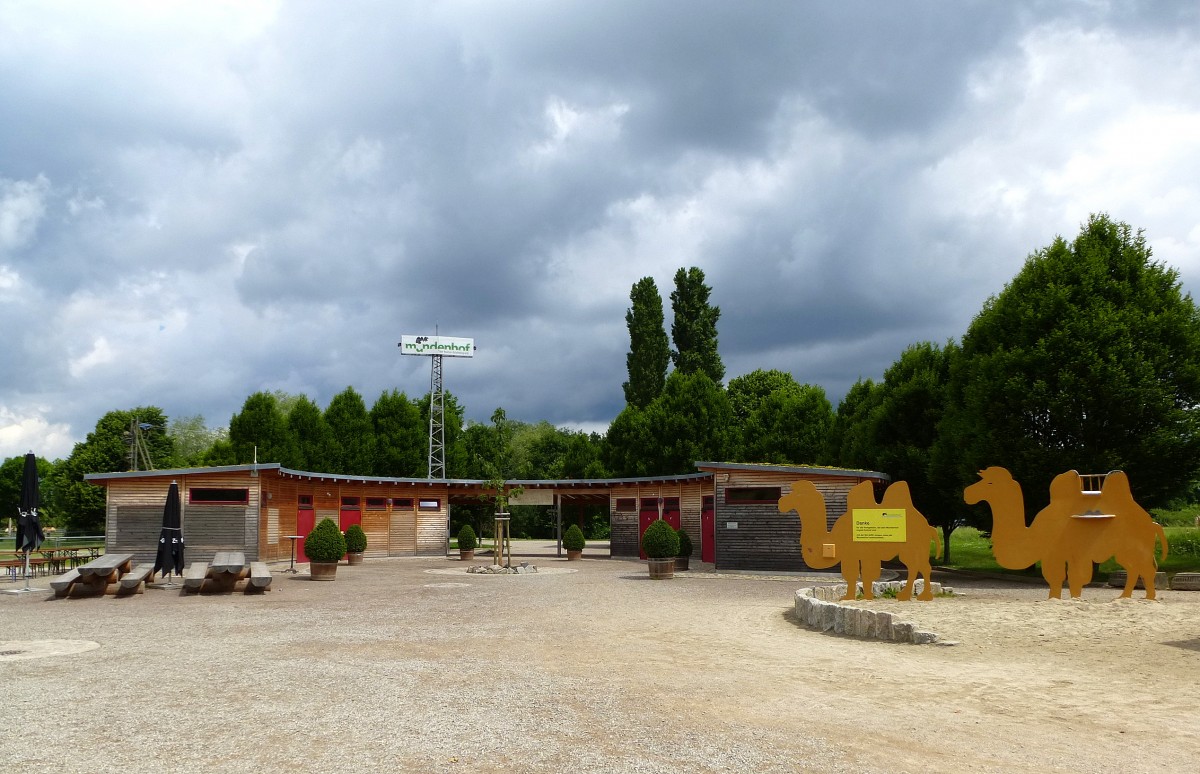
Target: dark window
x=626, y=503
x=200, y=496
x=403, y=503
x=670, y=503
x=304, y=502
x=649, y=503
x=376, y=503
x=430, y=505
x=708, y=502
x=350, y=502
x=749, y=495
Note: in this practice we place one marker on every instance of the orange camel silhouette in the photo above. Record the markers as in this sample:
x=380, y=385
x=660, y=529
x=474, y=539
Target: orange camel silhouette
x=1076, y=529
x=862, y=558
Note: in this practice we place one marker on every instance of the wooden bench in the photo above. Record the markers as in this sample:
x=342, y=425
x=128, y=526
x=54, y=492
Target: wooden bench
x=226, y=569
x=63, y=584
x=13, y=568
x=194, y=576
x=134, y=581
x=96, y=576
x=260, y=577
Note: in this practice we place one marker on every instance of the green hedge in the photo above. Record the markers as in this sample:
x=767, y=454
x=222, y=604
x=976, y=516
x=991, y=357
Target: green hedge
x=685, y=543
x=325, y=543
x=660, y=540
x=356, y=539
x=466, y=538
x=573, y=540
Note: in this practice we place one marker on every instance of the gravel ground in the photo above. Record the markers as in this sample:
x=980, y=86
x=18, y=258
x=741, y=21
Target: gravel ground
x=400, y=665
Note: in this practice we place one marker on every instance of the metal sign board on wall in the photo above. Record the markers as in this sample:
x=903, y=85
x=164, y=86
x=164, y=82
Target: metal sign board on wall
x=437, y=345
x=533, y=497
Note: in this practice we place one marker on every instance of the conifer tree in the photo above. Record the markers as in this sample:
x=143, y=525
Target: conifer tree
x=649, y=351
x=694, y=330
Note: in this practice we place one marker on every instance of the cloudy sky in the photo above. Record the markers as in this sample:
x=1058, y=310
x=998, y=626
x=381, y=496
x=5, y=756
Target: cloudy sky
x=200, y=200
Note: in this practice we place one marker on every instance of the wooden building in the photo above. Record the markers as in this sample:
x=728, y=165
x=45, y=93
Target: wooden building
x=729, y=509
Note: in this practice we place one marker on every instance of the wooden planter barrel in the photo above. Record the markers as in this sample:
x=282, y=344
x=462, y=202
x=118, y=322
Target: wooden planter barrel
x=661, y=569
x=354, y=557
x=573, y=555
x=322, y=571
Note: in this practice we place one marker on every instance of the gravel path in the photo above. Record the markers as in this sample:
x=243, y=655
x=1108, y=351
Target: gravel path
x=400, y=666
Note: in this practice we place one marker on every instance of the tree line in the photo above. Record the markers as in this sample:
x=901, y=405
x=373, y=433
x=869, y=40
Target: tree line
x=1088, y=359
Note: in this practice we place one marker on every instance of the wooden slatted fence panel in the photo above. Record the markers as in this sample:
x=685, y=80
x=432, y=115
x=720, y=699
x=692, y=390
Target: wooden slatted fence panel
x=402, y=533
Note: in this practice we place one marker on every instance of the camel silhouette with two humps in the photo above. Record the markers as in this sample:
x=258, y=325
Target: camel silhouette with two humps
x=861, y=558
x=1077, y=528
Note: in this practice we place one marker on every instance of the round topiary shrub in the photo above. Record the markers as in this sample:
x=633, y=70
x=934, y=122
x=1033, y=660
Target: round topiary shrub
x=356, y=539
x=660, y=540
x=466, y=538
x=325, y=543
x=573, y=539
x=685, y=543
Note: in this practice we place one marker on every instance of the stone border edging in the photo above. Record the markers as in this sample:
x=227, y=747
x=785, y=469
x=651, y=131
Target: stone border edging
x=820, y=608
x=1184, y=581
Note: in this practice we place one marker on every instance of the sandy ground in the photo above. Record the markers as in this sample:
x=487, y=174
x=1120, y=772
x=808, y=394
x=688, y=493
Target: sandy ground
x=413, y=665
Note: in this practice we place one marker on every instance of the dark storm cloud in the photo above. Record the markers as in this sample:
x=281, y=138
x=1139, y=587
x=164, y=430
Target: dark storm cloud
x=206, y=200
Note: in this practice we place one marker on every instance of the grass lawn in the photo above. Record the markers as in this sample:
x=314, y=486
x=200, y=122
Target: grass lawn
x=970, y=550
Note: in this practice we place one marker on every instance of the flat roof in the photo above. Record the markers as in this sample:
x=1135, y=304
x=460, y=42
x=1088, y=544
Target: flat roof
x=811, y=470
x=706, y=469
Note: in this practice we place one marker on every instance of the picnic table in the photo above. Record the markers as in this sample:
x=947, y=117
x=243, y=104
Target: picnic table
x=228, y=571
x=106, y=574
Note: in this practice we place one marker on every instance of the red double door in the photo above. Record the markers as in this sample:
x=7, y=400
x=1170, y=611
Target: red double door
x=648, y=513
x=306, y=519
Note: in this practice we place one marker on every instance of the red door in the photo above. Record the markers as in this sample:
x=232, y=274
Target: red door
x=708, y=531
x=348, y=516
x=647, y=514
x=671, y=511
x=306, y=519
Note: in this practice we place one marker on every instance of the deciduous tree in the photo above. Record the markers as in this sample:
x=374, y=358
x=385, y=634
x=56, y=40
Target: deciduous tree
x=1089, y=360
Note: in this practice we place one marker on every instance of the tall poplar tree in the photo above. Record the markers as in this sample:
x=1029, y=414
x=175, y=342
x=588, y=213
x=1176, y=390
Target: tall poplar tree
x=649, y=351
x=694, y=329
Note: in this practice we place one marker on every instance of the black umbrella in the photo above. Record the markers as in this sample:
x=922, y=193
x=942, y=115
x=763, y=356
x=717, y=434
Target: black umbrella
x=29, y=528
x=170, y=540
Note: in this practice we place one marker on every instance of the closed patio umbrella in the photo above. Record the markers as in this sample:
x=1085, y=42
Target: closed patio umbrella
x=170, y=540
x=29, y=527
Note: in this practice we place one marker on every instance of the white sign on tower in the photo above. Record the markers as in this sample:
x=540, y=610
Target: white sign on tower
x=437, y=345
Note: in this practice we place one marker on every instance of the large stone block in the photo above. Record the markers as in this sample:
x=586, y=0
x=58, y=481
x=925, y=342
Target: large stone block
x=1184, y=581
x=1119, y=577
x=883, y=625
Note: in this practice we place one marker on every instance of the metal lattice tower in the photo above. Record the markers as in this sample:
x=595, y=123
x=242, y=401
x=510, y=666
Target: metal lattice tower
x=437, y=421
x=139, y=454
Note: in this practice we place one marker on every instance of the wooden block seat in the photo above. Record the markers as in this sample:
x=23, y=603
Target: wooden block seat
x=260, y=577
x=63, y=584
x=226, y=569
x=96, y=576
x=134, y=581
x=105, y=566
x=194, y=575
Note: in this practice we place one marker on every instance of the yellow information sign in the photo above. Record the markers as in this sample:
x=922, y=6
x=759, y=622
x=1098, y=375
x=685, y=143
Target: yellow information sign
x=879, y=525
